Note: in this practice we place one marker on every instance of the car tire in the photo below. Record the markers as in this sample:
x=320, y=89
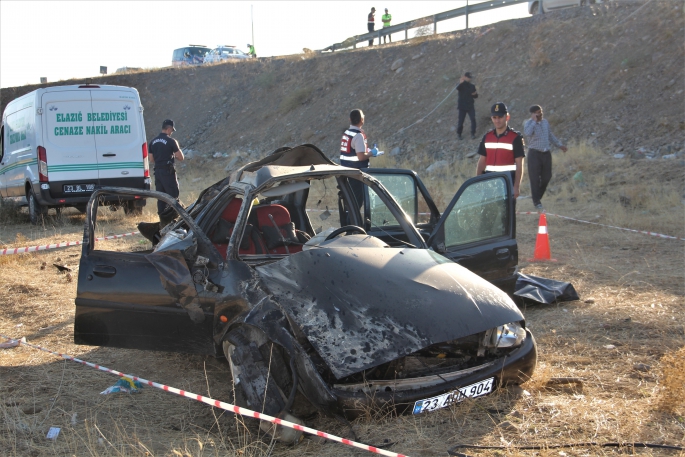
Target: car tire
x=36, y=210
x=246, y=361
x=131, y=209
x=535, y=9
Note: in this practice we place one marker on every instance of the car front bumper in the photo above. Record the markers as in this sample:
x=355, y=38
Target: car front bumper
x=515, y=368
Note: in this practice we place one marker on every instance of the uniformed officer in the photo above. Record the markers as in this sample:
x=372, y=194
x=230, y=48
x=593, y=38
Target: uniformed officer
x=501, y=149
x=164, y=151
x=354, y=152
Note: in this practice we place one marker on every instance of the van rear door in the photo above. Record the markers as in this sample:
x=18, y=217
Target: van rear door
x=119, y=137
x=69, y=143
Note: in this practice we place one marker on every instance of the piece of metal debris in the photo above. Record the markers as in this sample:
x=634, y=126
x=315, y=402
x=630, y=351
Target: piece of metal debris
x=62, y=267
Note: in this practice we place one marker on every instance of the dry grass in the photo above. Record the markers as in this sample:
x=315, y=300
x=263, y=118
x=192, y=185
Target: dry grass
x=672, y=398
x=295, y=99
x=623, y=339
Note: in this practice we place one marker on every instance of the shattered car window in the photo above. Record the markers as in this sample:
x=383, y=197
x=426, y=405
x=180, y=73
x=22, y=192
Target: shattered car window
x=381, y=215
x=322, y=204
x=480, y=214
x=403, y=188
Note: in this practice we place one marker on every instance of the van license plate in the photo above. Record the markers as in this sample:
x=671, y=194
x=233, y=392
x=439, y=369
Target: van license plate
x=78, y=188
x=441, y=401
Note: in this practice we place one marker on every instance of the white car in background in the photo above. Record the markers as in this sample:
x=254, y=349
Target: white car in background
x=222, y=53
x=553, y=5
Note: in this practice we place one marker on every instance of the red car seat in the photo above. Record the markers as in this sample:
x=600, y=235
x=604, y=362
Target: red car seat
x=277, y=230
x=252, y=242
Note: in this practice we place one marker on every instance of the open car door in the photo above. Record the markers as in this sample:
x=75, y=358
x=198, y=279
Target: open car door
x=477, y=229
x=148, y=298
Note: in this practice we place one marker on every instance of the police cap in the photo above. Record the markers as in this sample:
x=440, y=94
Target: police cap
x=498, y=109
x=168, y=123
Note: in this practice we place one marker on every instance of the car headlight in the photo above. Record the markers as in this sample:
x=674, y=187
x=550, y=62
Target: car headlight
x=508, y=335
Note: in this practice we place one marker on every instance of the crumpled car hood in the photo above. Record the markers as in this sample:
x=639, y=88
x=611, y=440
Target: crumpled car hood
x=362, y=307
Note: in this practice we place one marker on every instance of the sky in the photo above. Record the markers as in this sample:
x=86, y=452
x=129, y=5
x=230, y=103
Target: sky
x=63, y=39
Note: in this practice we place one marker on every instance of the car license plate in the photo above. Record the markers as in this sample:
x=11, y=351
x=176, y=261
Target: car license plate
x=76, y=188
x=441, y=401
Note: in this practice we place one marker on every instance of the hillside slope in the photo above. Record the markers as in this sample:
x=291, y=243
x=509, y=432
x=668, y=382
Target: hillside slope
x=611, y=74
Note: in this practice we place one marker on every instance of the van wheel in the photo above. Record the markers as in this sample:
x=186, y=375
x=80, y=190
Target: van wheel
x=36, y=210
x=131, y=209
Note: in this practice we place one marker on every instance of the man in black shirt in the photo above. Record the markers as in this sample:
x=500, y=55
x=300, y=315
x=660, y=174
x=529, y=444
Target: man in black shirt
x=372, y=24
x=164, y=151
x=465, y=104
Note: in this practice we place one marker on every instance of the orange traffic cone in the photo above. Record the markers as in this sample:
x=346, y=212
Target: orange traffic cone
x=542, y=251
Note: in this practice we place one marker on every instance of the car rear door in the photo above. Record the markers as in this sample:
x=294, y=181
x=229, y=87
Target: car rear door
x=69, y=142
x=477, y=230
x=119, y=137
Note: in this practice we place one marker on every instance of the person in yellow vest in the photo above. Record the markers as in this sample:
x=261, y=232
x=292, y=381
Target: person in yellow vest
x=387, y=17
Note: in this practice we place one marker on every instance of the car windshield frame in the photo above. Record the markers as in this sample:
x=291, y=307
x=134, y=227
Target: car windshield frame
x=210, y=212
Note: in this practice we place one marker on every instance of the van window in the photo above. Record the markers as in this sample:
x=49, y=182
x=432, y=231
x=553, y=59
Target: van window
x=18, y=124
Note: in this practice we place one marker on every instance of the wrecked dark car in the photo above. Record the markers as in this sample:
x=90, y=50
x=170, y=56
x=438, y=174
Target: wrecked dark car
x=304, y=289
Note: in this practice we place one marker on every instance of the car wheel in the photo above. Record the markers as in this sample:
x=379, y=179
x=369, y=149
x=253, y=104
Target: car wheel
x=535, y=9
x=256, y=387
x=36, y=210
x=131, y=209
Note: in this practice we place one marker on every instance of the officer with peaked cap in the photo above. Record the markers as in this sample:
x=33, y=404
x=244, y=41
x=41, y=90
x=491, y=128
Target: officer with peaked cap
x=164, y=152
x=501, y=149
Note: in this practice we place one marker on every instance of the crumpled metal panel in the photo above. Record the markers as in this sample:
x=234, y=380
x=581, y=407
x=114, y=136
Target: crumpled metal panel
x=362, y=307
x=177, y=281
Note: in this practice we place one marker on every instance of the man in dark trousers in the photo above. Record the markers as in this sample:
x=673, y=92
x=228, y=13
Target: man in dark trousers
x=164, y=151
x=372, y=23
x=539, y=136
x=465, y=104
x=501, y=149
x=387, y=18
x=355, y=153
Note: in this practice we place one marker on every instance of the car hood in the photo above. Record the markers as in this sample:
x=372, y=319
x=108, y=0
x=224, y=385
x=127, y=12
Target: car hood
x=362, y=307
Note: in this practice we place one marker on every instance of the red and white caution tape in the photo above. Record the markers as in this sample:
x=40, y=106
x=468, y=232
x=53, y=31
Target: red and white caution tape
x=659, y=235
x=60, y=245
x=216, y=403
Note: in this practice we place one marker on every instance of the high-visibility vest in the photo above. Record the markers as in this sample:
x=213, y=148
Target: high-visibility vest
x=500, y=151
x=372, y=18
x=347, y=152
x=386, y=20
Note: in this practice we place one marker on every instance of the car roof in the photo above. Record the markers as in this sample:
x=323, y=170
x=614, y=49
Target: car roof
x=286, y=162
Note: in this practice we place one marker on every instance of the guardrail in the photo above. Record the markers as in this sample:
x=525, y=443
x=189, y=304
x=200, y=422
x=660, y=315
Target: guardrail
x=434, y=19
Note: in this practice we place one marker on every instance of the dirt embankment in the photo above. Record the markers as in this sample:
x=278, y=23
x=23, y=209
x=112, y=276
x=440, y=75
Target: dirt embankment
x=611, y=74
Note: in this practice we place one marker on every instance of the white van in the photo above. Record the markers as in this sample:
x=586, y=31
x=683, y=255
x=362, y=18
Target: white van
x=57, y=144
